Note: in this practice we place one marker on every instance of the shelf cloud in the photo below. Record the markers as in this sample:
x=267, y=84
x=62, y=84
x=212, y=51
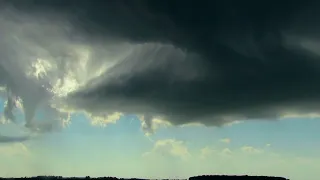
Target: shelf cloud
x=211, y=63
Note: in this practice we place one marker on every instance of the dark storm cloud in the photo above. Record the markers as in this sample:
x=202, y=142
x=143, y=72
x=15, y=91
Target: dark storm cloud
x=222, y=61
x=7, y=139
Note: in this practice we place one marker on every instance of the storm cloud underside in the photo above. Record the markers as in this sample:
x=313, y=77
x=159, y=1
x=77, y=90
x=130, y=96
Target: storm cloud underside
x=211, y=63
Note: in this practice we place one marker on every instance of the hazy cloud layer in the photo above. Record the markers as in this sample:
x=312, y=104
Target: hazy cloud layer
x=239, y=159
x=169, y=147
x=213, y=65
x=225, y=140
x=14, y=150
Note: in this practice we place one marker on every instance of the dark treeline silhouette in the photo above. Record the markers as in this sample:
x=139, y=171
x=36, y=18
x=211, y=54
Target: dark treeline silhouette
x=203, y=177
x=245, y=177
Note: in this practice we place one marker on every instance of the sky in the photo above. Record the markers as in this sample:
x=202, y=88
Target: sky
x=287, y=148
x=155, y=90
